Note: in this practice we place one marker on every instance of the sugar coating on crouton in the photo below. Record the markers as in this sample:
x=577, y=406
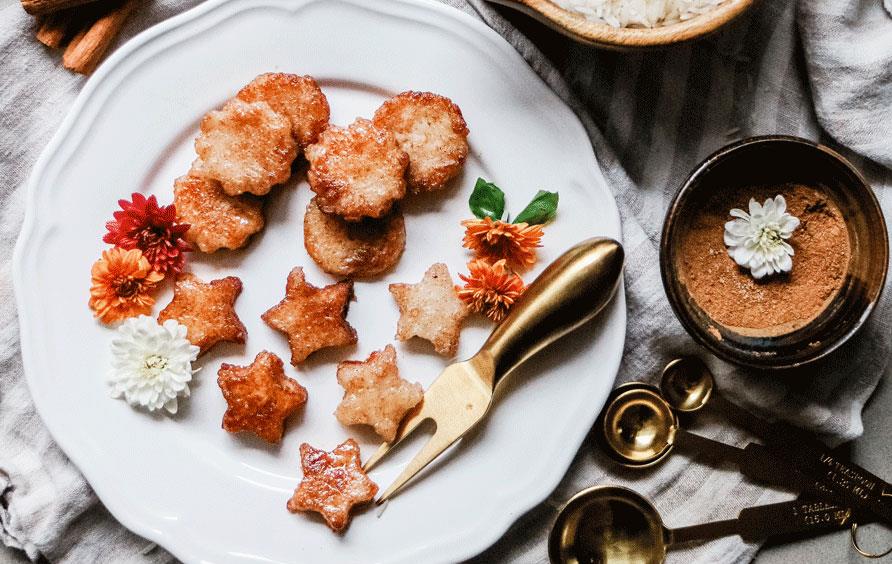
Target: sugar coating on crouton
x=298, y=98
x=245, y=147
x=216, y=219
x=431, y=309
x=207, y=309
x=431, y=130
x=374, y=393
x=357, y=171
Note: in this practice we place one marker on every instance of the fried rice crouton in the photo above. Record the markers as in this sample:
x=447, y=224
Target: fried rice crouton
x=259, y=397
x=357, y=171
x=431, y=309
x=298, y=98
x=216, y=219
x=431, y=130
x=358, y=249
x=374, y=393
x=207, y=310
x=333, y=482
x=312, y=318
x=245, y=147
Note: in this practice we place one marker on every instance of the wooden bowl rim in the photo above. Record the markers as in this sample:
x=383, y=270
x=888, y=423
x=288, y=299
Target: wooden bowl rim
x=580, y=27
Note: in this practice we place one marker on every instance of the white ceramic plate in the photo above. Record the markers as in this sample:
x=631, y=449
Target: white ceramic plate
x=207, y=495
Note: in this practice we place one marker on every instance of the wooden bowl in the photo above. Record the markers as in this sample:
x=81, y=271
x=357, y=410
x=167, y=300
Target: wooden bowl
x=578, y=27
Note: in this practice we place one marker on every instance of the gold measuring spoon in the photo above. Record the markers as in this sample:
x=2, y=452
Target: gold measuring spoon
x=688, y=386
x=639, y=429
x=612, y=524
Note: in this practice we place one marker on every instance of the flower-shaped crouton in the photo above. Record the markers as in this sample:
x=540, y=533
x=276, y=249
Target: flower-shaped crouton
x=357, y=171
x=333, y=483
x=431, y=129
x=431, y=310
x=259, y=396
x=296, y=97
x=374, y=393
x=207, y=310
x=357, y=249
x=245, y=147
x=312, y=318
x=216, y=219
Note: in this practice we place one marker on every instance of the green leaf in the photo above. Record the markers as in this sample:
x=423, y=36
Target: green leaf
x=542, y=209
x=487, y=200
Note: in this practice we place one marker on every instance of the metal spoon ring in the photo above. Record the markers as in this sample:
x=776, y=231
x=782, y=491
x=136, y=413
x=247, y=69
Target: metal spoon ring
x=854, y=537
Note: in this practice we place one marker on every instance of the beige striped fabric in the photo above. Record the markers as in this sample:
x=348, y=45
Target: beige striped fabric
x=820, y=69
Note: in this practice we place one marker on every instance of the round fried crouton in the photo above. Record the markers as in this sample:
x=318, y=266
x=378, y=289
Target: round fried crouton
x=354, y=249
x=357, y=171
x=216, y=220
x=431, y=129
x=298, y=98
x=245, y=147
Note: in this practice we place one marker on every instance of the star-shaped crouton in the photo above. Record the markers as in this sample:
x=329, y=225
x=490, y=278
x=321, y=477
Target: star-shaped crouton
x=207, y=310
x=333, y=483
x=374, y=393
x=431, y=310
x=260, y=397
x=312, y=318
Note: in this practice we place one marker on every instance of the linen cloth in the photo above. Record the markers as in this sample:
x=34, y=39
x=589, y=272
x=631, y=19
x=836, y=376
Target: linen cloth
x=820, y=69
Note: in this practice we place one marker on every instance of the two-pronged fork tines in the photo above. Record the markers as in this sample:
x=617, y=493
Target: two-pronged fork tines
x=454, y=403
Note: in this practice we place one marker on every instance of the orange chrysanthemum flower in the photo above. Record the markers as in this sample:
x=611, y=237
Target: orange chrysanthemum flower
x=495, y=240
x=122, y=281
x=490, y=289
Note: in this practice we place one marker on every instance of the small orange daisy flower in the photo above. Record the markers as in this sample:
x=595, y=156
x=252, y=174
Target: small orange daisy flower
x=122, y=280
x=495, y=240
x=490, y=289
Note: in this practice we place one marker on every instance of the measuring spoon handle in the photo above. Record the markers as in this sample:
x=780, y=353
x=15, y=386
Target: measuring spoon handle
x=765, y=521
x=825, y=475
x=814, y=460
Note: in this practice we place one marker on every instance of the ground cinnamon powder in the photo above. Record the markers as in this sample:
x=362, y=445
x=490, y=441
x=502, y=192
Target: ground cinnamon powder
x=776, y=304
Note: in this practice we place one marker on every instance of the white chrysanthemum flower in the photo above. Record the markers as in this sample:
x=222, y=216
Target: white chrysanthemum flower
x=757, y=240
x=151, y=363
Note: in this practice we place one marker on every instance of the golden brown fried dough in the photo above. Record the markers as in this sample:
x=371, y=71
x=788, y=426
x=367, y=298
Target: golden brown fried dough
x=374, y=393
x=207, y=310
x=298, y=98
x=259, y=397
x=432, y=131
x=357, y=171
x=312, y=318
x=245, y=147
x=333, y=483
x=356, y=249
x=216, y=219
x=431, y=310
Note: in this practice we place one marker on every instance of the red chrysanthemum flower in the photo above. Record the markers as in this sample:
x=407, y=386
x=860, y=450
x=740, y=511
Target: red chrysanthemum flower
x=143, y=224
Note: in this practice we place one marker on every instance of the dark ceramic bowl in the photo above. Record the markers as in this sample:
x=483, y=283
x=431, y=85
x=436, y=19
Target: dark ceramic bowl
x=779, y=160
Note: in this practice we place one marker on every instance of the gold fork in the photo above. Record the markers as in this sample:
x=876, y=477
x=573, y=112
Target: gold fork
x=570, y=291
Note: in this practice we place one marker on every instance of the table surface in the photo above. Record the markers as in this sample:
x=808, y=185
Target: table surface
x=873, y=450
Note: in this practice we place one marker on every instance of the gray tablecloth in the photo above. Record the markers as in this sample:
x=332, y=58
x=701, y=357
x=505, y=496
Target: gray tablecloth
x=820, y=69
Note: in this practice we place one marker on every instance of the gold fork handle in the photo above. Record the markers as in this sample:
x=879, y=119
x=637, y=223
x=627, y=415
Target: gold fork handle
x=570, y=291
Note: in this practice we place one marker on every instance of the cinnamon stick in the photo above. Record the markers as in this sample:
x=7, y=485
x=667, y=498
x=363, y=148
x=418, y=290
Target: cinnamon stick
x=56, y=29
x=87, y=47
x=41, y=7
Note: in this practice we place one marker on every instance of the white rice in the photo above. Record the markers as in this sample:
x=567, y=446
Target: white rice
x=639, y=13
